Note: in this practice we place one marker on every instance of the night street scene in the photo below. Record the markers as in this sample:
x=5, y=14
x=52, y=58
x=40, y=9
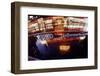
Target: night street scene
x=57, y=37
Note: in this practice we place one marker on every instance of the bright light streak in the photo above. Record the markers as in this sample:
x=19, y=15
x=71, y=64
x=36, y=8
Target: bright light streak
x=44, y=42
x=82, y=38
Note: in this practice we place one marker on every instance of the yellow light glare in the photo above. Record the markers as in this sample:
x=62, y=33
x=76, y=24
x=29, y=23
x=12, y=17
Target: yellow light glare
x=64, y=49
